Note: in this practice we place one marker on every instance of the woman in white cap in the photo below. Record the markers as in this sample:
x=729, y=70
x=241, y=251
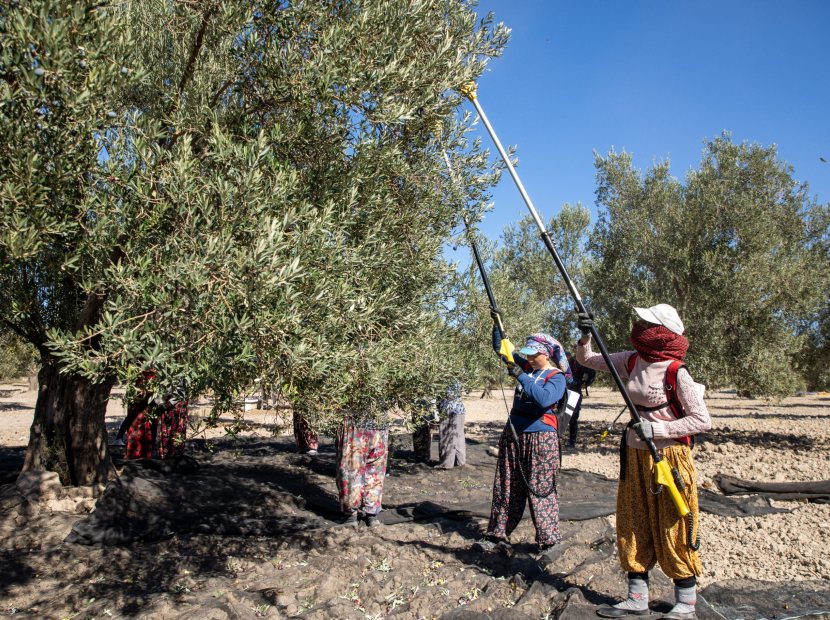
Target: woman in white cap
x=649, y=530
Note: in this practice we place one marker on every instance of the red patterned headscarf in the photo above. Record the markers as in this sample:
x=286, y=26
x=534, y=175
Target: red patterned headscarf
x=655, y=342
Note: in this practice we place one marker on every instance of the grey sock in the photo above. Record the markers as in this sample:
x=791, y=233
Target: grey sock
x=637, y=595
x=686, y=599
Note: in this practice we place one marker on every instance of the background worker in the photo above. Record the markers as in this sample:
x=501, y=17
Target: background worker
x=304, y=436
x=155, y=418
x=362, y=451
x=649, y=529
x=452, y=447
x=172, y=423
x=582, y=377
x=423, y=415
x=141, y=424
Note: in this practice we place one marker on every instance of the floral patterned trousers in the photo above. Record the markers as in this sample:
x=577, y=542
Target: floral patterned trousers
x=361, y=467
x=538, y=456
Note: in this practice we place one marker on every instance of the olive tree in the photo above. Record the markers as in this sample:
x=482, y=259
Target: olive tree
x=814, y=359
x=224, y=191
x=735, y=248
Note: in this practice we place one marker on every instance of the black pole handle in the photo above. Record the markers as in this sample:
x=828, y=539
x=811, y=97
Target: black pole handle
x=490, y=296
x=596, y=337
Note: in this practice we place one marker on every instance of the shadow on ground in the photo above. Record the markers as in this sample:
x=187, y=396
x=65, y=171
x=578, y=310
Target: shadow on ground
x=252, y=529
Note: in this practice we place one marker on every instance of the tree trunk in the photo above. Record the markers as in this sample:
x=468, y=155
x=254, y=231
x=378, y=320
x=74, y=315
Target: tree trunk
x=68, y=434
x=488, y=389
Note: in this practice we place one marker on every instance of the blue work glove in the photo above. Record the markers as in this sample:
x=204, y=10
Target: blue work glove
x=644, y=430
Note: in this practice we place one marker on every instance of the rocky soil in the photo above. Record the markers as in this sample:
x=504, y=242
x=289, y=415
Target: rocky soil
x=420, y=569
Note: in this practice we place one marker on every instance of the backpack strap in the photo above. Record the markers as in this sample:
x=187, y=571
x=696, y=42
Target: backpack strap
x=670, y=386
x=554, y=372
x=629, y=363
x=551, y=373
x=560, y=406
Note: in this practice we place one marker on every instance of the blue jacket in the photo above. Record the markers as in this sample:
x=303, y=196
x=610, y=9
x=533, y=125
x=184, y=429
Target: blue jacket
x=537, y=394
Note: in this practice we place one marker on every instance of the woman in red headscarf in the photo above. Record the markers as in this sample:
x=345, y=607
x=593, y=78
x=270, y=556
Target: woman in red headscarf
x=139, y=426
x=649, y=530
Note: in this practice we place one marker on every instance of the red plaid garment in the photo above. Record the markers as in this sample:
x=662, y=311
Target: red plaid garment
x=173, y=430
x=140, y=438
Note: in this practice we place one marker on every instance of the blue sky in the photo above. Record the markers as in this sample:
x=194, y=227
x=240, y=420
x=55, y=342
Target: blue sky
x=653, y=78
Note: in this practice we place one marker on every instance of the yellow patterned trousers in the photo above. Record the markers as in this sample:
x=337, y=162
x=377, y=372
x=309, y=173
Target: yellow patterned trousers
x=649, y=530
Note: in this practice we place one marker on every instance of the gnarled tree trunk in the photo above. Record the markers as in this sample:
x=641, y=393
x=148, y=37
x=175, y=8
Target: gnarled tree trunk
x=68, y=434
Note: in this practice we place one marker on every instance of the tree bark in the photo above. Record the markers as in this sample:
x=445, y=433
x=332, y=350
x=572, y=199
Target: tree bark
x=488, y=390
x=68, y=434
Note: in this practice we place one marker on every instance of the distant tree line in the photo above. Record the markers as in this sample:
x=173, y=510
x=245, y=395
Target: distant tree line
x=739, y=247
x=18, y=358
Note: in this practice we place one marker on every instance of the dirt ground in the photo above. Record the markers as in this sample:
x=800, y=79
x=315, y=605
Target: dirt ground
x=407, y=569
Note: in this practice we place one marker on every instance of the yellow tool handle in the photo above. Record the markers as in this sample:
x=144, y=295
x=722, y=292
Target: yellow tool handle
x=506, y=350
x=663, y=477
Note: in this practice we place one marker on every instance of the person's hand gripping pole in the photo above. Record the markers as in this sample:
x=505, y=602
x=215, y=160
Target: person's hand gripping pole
x=506, y=348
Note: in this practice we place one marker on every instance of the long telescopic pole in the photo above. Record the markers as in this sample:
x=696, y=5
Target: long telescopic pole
x=507, y=346
x=491, y=298
x=665, y=474
x=484, y=278
x=470, y=93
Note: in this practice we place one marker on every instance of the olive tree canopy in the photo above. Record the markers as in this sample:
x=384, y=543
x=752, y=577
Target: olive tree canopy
x=736, y=248
x=227, y=191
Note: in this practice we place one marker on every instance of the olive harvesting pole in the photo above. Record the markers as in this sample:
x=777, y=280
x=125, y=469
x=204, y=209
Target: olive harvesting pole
x=665, y=475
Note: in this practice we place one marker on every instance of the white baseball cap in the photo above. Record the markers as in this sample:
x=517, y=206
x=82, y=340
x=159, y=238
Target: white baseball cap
x=662, y=314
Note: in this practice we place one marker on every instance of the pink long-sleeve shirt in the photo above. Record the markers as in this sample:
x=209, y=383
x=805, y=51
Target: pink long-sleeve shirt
x=646, y=388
